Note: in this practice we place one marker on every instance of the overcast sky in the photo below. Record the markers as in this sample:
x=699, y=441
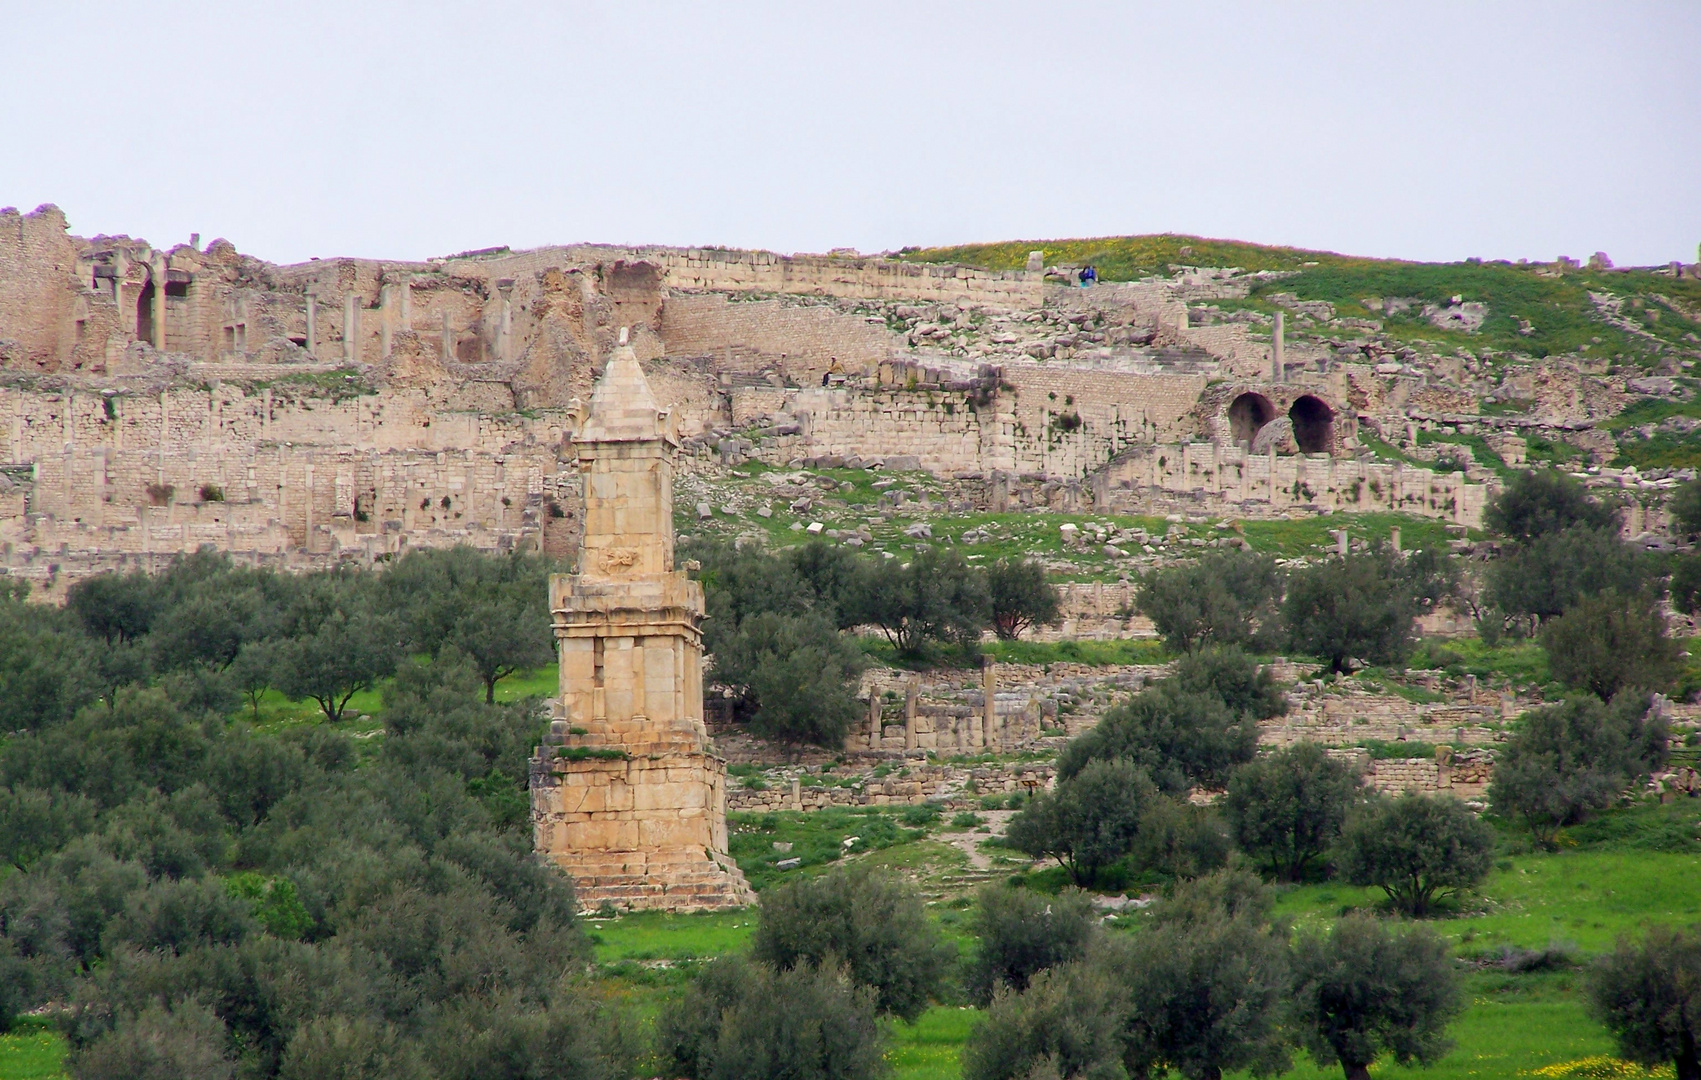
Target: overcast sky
x=1423, y=131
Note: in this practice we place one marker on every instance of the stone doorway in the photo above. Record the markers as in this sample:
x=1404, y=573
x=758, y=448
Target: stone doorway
x=1246, y=414
x=1313, y=425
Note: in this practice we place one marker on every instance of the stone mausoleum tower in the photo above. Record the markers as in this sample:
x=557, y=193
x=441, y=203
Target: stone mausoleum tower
x=626, y=796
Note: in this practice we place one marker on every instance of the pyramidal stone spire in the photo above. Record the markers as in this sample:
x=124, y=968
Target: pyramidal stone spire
x=622, y=407
x=628, y=795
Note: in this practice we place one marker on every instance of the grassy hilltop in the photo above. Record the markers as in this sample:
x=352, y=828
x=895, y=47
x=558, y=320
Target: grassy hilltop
x=1557, y=305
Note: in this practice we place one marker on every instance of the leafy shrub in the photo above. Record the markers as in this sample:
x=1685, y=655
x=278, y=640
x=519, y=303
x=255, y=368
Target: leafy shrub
x=1416, y=849
x=872, y=923
x=743, y=1021
x=1565, y=761
x=1362, y=990
x=1023, y=933
x=1286, y=808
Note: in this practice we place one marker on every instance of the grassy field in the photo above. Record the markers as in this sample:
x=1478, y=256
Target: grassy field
x=1576, y=900
x=33, y=1050
x=1531, y=310
x=1029, y=534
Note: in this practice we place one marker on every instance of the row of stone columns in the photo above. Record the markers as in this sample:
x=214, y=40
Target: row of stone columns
x=988, y=729
x=387, y=295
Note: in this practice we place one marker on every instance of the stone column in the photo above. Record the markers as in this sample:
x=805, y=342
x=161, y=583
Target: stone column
x=160, y=274
x=911, y=692
x=874, y=720
x=448, y=346
x=407, y=303
x=1394, y=539
x=1276, y=347
x=989, y=716
x=120, y=267
x=312, y=320
x=505, y=329
x=351, y=329
x=384, y=320
x=1342, y=542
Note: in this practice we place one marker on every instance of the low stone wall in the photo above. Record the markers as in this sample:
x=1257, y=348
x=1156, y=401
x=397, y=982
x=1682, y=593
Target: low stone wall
x=1465, y=773
x=1220, y=479
x=955, y=787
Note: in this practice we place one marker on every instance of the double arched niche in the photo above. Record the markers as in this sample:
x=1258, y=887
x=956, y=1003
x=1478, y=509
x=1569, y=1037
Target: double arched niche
x=1312, y=419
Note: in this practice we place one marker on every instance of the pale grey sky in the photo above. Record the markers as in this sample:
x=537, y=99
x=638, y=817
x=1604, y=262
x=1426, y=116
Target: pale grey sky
x=1425, y=131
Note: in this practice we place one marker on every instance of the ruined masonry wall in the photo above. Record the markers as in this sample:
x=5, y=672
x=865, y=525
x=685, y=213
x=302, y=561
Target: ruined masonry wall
x=37, y=264
x=1218, y=477
x=123, y=480
x=809, y=338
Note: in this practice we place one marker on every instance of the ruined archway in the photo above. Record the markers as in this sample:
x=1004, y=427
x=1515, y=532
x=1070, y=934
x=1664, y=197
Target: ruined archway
x=145, y=312
x=1313, y=425
x=1246, y=414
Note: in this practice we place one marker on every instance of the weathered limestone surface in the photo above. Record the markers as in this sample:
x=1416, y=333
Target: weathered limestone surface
x=626, y=795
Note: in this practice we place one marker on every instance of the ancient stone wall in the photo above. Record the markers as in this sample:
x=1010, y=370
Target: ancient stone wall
x=802, y=342
x=37, y=311
x=112, y=480
x=1214, y=478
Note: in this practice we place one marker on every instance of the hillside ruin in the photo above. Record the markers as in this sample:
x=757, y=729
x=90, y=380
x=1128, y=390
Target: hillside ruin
x=164, y=399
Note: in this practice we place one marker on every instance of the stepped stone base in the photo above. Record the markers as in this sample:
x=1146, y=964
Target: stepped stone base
x=645, y=830
x=643, y=881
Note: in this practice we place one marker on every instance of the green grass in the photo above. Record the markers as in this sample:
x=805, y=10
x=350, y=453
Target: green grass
x=1512, y=1025
x=277, y=712
x=33, y=1050
x=816, y=838
x=654, y=935
x=1586, y=898
x=1662, y=449
x=1098, y=653
x=1558, y=307
x=1520, y=662
x=1310, y=535
x=932, y=1048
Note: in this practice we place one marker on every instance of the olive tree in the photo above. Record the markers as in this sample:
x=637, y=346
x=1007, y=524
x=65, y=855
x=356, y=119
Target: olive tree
x=1417, y=849
x=1021, y=597
x=869, y=921
x=1361, y=606
x=1286, y=808
x=1066, y=1025
x=1608, y=642
x=1224, y=598
x=1564, y=761
x=1649, y=997
x=1363, y=990
x=1022, y=933
x=1205, y=996
x=1091, y=820
x=743, y=1021
x=1179, y=737
x=1537, y=502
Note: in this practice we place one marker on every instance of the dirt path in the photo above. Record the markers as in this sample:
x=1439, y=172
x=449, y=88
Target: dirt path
x=968, y=842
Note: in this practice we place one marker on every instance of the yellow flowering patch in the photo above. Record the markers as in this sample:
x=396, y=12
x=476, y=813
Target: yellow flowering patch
x=1601, y=1067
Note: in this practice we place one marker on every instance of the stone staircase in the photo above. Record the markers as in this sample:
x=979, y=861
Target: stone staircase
x=711, y=882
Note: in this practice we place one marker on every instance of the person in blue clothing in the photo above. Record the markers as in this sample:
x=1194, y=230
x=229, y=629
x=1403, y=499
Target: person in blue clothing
x=1088, y=275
